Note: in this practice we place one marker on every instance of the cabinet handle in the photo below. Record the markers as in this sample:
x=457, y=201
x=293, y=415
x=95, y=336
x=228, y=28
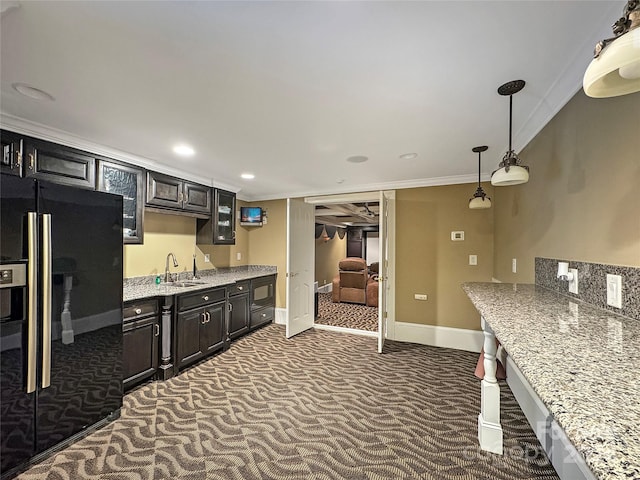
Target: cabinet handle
x=180, y=197
x=233, y=234
x=230, y=307
x=240, y=288
x=31, y=161
x=138, y=311
x=264, y=315
x=204, y=318
x=208, y=317
x=19, y=158
x=205, y=297
x=156, y=328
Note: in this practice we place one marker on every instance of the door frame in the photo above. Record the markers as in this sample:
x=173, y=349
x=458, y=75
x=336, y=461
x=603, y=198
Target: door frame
x=373, y=196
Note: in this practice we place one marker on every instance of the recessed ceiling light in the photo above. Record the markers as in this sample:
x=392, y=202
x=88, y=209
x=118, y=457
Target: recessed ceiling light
x=32, y=92
x=408, y=156
x=183, y=150
x=357, y=159
x=248, y=176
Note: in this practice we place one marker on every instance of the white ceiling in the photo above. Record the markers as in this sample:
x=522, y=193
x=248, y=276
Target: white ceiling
x=289, y=90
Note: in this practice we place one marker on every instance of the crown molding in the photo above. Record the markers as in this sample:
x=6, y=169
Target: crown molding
x=397, y=185
x=43, y=132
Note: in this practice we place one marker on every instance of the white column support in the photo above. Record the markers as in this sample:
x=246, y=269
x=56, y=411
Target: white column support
x=489, y=428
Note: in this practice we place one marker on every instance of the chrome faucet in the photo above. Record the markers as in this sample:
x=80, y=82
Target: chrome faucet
x=167, y=274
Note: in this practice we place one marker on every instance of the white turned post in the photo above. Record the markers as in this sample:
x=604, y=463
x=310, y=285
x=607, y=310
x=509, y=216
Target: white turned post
x=65, y=317
x=489, y=428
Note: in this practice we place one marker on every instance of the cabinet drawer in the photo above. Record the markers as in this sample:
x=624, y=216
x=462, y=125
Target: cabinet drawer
x=239, y=287
x=140, y=308
x=202, y=297
x=264, y=315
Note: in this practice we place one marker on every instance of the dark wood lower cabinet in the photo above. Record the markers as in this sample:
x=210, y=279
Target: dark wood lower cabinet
x=238, y=315
x=140, y=337
x=200, y=330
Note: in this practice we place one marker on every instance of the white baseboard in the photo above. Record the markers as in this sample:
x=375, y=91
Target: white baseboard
x=328, y=288
x=281, y=316
x=352, y=331
x=447, y=337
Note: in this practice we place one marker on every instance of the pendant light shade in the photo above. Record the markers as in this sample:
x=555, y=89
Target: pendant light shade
x=510, y=170
x=479, y=199
x=615, y=69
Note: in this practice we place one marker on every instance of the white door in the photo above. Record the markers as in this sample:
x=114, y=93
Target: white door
x=385, y=275
x=300, y=266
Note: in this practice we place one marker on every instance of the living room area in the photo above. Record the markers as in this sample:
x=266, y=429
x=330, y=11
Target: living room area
x=347, y=266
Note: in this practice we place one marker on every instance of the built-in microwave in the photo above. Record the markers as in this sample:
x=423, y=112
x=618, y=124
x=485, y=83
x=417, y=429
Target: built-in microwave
x=262, y=292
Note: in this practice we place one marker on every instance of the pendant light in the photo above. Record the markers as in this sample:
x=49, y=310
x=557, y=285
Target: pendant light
x=479, y=199
x=615, y=68
x=510, y=171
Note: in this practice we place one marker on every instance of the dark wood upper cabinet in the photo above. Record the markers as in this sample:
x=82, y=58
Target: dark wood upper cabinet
x=197, y=198
x=128, y=182
x=11, y=153
x=173, y=193
x=55, y=163
x=221, y=228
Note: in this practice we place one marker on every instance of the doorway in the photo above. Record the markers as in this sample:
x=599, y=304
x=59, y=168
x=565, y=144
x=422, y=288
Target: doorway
x=386, y=254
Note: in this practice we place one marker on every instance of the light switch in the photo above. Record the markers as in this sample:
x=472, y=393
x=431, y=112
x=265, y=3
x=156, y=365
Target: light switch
x=207, y=258
x=473, y=260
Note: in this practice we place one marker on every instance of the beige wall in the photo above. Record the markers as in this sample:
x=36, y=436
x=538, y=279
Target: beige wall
x=581, y=202
x=427, y=261
x=268, y=244
x=163, y=234
x=328, y=254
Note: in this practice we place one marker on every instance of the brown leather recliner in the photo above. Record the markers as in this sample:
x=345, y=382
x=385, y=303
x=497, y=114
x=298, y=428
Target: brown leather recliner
x=354, y=270
x=350, y=285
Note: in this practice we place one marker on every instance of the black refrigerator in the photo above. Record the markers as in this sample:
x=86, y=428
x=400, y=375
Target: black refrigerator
x=60, y=316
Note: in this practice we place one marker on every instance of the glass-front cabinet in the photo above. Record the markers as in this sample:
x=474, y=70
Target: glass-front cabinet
x=129, y=182
x=224, y=228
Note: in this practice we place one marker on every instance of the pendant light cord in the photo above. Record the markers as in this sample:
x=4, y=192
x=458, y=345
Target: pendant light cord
x=479, y=169
x=510, y=118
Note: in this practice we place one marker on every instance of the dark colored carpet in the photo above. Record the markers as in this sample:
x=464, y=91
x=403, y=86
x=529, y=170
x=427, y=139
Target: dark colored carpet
x=322, y=405
x=347, y=315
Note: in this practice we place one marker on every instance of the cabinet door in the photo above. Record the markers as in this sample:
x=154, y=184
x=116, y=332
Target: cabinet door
x=139, y=350
x=188, y=345
x=238, y=315
x=58, y=164
x=197, y=198
x=212, y=332
x=224, y=218
x=164, y=191
x=129, y=183
x=11, y=153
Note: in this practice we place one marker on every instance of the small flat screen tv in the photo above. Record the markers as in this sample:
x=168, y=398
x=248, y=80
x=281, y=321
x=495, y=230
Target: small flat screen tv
x=251, y=216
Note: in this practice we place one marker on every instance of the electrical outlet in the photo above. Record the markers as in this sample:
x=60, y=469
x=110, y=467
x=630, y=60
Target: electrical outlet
x=473, y=260
x=207, y=258
x=457, y=236
x=238, y=256
x=614, y=290
x=420, y=296
x=514, y=265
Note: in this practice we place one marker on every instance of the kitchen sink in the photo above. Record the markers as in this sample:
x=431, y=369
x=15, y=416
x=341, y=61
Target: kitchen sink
x=184, y=284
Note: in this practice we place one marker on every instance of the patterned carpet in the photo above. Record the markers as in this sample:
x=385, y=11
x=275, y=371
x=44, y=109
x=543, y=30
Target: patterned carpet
x=322, y=405
x=348, y=315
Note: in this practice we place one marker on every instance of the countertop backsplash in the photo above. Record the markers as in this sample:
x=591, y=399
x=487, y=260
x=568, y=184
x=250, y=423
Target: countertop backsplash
x=592, y=283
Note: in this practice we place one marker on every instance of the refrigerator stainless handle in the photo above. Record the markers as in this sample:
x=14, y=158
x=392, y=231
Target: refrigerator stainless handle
x=32, y=279
x=46, y=300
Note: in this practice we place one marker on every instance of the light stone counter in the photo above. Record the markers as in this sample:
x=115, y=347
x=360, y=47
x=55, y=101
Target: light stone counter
x=144, y=287
x=583, y=363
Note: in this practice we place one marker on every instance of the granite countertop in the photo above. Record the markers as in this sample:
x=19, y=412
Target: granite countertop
x=145, y=287
x=582, y=361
